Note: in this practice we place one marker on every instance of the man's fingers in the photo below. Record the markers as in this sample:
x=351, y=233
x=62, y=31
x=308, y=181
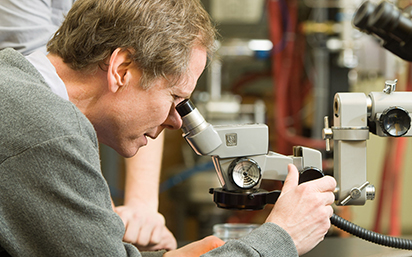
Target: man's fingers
x=156, y=236
x=292, y=178
x=331, y=198
x=144, y=235
x=196, y=248
x=331, y=211
x=324, y=184
x=131, y=233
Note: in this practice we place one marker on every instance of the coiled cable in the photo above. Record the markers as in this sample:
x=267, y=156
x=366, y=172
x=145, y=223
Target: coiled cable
x=347, y=226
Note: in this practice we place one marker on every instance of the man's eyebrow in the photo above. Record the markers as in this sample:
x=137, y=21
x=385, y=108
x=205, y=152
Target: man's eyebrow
x=181, y=92
x=181, y=96
x=187, y=96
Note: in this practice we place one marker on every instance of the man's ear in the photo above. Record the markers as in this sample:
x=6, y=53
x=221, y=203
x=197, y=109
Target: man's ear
x=118, y=71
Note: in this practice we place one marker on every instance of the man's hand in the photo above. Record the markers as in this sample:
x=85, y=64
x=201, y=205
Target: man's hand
x=146, y=229
x=197, y=248
x=304, y=210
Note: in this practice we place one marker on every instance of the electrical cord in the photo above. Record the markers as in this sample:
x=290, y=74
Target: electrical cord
x=370, y=236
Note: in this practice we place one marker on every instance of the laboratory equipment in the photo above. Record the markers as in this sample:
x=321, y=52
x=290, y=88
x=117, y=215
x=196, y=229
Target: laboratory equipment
x=241, y=159
x=228, y=231
x=386, y=114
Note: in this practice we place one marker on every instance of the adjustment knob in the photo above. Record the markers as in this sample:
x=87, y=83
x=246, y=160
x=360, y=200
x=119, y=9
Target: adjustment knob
x=244, y=173
x=310, y=173
x=395, y=121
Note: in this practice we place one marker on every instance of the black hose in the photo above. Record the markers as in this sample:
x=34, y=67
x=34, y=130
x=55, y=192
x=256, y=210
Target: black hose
x=370, y=236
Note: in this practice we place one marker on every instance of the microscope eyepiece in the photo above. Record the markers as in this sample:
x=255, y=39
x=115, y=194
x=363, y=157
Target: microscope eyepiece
x=384, y=16
x=185, y=107
x=193, y=121
x=361, y=17
x=390, y=24
x=200, y=135
x=393, y=21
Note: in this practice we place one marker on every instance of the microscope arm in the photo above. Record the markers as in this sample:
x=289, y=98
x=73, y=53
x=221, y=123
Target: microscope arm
x=385, y=114
x=350, y=133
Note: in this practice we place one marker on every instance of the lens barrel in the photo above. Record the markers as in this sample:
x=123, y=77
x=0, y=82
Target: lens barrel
x=185, y=107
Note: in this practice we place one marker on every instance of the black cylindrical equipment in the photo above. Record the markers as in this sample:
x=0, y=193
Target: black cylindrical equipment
x=392, y=25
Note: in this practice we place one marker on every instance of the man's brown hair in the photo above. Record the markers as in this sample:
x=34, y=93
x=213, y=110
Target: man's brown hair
x=159, y=33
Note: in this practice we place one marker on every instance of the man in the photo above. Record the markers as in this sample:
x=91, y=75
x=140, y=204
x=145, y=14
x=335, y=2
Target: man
x=27, y=26
x=122, y=67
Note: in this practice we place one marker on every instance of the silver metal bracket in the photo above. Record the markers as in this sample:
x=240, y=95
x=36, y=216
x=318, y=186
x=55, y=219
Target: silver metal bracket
x=355, y=193
x=327, y=133
x=390, y=86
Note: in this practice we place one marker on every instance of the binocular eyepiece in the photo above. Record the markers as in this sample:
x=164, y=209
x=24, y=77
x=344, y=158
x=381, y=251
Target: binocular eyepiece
x=388, y=23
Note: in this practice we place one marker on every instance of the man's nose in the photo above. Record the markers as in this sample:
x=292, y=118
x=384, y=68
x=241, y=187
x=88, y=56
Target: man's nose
x=173, y=121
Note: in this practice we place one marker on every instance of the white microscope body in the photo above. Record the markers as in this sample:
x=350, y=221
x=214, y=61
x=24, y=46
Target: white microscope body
x=241, y=158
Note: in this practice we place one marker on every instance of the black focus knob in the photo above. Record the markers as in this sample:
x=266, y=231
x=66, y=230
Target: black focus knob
x=310, y=173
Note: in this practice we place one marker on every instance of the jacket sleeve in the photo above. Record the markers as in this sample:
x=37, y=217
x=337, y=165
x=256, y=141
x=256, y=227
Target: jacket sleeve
x=266, y=241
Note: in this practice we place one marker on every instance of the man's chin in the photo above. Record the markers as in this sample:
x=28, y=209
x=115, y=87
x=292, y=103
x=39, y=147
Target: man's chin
x=128, y=152
x=130, y=148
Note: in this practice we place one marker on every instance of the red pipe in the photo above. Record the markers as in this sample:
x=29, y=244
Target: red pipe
x=282, y=71
x=395, y=217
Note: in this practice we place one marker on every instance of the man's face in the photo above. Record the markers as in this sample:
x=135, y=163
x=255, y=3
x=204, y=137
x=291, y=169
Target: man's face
x=145, y=113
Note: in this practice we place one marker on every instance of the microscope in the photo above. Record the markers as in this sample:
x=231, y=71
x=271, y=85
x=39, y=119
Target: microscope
x=240, y=152
x=241, y=159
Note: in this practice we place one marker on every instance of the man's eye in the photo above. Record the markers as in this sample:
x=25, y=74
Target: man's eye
x=176, y=97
